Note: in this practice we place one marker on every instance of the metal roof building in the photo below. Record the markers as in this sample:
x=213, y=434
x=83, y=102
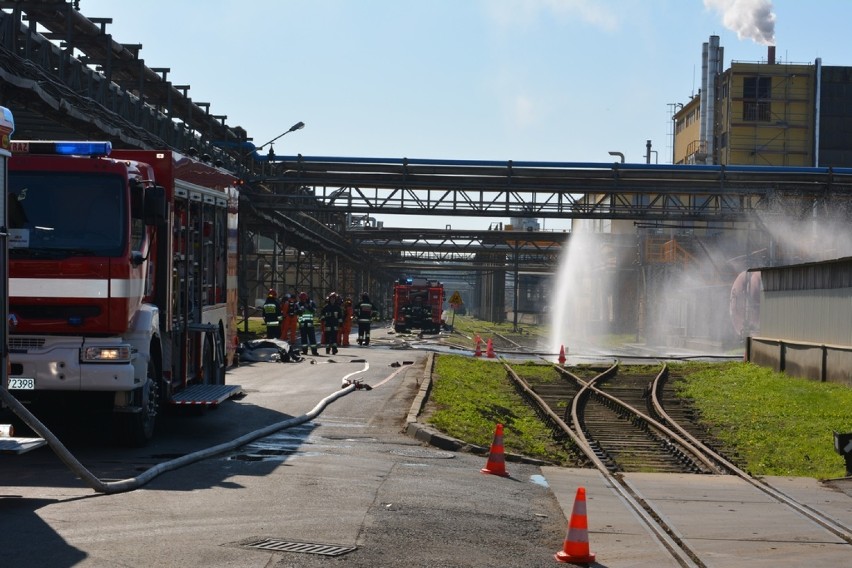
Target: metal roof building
x=806, y=320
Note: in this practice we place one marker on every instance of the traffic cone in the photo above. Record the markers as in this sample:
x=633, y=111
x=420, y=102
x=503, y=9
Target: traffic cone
x=489, y=351
x=496, y=464
x=478, y=351
x=576, y=546
x=562, y=355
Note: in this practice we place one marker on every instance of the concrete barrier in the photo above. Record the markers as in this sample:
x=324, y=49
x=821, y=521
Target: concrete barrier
x=816, y=361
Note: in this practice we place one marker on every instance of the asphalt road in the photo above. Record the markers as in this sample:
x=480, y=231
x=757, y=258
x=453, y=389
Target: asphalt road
x=350, y=479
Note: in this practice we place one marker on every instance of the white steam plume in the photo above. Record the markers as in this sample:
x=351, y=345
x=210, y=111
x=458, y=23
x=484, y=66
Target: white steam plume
x=751, y=19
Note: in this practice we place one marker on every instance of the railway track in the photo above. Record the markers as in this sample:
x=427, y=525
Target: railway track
x=612, y=415
x=627, y=422
x=501, y=344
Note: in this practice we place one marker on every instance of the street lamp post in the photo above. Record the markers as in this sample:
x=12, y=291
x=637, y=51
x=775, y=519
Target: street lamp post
x=298, y=126
x=618, y=155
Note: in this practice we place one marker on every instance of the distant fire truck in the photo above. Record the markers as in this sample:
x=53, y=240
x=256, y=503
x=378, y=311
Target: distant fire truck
x=417, y=304
x=122, y=288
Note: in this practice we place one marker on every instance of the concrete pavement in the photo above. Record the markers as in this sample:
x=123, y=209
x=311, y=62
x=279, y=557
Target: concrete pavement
x=367, y=479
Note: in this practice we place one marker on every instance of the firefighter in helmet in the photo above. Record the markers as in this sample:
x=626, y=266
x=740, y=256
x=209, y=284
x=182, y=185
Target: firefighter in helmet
x=307, y=309
x=290, y=333
x=285, y=316
x=332, y=317
x=346, y=327
x=365, y=316
x=272, y=315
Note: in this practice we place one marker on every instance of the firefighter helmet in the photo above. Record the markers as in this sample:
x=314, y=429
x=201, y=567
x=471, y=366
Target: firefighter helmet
x=272, y=293
x=303, y=296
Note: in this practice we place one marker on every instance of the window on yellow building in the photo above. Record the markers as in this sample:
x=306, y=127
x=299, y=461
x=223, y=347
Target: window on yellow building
x=757, y=92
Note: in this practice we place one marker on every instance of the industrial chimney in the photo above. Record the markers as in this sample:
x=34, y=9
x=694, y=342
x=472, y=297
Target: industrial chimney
x=712, y=57
x=770, y=55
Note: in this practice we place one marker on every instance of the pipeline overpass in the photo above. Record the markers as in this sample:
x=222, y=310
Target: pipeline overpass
x=558, y=190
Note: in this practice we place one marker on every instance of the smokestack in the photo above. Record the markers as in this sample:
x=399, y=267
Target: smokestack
x=770, y=55
x=712, y=56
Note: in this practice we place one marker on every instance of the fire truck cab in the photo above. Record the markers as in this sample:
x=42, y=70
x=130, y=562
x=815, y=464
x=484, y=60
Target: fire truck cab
x=417, y=304
x=122, y=279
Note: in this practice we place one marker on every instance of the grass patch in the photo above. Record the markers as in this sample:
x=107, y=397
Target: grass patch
x=256, y=328
x=777, y=424
x=780, y=425
x=470, y=326
x=471, y=396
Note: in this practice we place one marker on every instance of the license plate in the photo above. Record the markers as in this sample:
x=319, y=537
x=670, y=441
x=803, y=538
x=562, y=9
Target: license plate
x=21, y=383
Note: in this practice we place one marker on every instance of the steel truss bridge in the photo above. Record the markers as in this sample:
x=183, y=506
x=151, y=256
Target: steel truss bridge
x=553, y=190
x=652, y=196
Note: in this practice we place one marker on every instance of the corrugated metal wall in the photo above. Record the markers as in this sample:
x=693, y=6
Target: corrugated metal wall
x=816, y=316
x=808, y=302
x=813, y=276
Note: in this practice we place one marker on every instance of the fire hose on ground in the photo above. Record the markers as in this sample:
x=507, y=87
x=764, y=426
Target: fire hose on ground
x=133, y=483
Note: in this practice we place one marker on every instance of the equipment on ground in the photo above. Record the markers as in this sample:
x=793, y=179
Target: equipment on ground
x=359, y=384
x=122, y=280
x=417, y=304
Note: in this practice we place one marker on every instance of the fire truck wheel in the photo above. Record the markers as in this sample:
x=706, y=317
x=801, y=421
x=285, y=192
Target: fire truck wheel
x=213, y=372
x=140, y=425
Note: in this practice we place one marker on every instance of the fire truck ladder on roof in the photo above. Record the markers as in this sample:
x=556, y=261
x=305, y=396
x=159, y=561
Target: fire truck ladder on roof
x=207, y=394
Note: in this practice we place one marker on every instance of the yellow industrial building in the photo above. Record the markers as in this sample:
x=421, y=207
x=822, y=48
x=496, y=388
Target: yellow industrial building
x=769, y=113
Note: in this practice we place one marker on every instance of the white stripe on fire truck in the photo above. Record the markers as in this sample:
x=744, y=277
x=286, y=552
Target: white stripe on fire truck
x=72, y=287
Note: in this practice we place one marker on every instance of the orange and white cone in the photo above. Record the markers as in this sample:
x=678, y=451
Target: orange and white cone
x=576, y=547
x=496, y=464
x=478, y=351
x=562, y=355
x=489, y=351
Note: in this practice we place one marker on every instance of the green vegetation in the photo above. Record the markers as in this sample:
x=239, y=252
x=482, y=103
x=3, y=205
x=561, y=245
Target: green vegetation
x=256, y=328
x=779, y=425
x=471, y=396
x=470, y=326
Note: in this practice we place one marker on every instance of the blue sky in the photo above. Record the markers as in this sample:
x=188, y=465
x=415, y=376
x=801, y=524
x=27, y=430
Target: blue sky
x=475, y=79
x=566, y=80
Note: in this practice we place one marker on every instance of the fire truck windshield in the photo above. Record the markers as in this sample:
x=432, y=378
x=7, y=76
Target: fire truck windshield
x=66, y=213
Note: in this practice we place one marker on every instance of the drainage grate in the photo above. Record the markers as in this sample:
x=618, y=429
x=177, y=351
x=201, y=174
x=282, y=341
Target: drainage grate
x=306, y=547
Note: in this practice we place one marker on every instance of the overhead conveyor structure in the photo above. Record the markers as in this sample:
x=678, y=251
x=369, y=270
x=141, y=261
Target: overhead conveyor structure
x=561, y=190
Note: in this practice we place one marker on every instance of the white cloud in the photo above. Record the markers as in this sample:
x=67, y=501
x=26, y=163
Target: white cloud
x=750, y=19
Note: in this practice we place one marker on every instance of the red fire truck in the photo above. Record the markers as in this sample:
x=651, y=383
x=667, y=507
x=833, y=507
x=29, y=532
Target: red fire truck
x=122, y=288
x=417, y=304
